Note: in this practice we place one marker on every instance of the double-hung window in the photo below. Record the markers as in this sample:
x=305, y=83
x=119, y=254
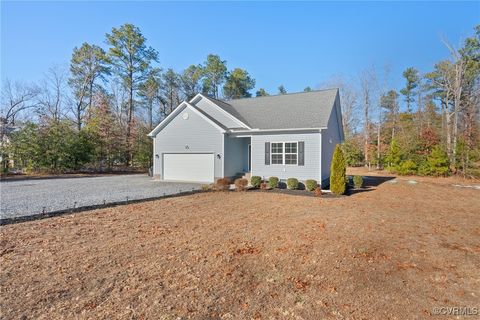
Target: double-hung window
x=284, y=152
x=277, y=152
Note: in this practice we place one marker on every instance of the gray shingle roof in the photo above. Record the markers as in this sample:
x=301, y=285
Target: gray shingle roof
x=289, y=111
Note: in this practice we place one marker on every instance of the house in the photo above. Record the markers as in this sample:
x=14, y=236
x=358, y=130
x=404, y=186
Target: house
x=290, y=135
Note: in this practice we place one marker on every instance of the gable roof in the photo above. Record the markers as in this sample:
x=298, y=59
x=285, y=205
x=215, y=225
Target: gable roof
x=288, y=111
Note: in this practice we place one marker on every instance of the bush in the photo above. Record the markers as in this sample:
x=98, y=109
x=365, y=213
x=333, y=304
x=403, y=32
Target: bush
x=318, y=192
x=311, y=184
x=205, y=187
x=338, y=178
x=407, y=168
x=255, y=181
x=292, y=183
x=437, y=163
x=240, y=184
x=357, y=182
x=223, y=184
x=264, y=186
x=273, y=182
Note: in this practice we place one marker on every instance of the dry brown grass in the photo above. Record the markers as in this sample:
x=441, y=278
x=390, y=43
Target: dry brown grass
x=394, y=251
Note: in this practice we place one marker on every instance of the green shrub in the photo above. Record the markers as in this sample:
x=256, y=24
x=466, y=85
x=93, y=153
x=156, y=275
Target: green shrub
x=273, y=182
x=292, y=183
x=311, y=184
x=406, y=168
x=241, y=184
x=338, y=178
x=437, y=163
x=357, y=182
x=205, y=187
x=255, y=181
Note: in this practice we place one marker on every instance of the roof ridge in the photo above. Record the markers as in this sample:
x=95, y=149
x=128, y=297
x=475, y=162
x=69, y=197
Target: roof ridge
x=277, y=95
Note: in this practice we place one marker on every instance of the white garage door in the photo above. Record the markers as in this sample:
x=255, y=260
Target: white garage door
x=188, y=167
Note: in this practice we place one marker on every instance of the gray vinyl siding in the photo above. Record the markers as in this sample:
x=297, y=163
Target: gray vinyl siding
x=311, y=169
x=330, y=138
x=199, y=135
x=216, y=113
x=236, y=155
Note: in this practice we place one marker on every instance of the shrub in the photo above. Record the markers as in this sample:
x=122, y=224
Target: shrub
x=273, y=182
x=223, y=184
x=437, y=163
x=318, y=192
x=264, y=186
x=407, y=168
x=338, y=178
x=292, y=183
x=205, y=187
x=311, y=184
x=357, y=182
x=255, y=181
x=240, y=184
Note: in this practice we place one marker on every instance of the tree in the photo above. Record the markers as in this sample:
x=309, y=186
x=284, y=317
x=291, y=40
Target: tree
x=150, y=93
x=412, y=79
x=394, y=155
x=238, y=84
x=16, y=98
x=437, y=163
x=282, y=90
x=261, y=93
x=52, y=99
x=368, y=82
x=307, y=89
x=88, y=63
x=132, y=61
x=190, y=80
x=338, y=176
x=389, y=101
x=170, y=92
x=214, y=73
x=107, y=135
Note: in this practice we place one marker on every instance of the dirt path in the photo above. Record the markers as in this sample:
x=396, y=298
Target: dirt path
x=394, y=251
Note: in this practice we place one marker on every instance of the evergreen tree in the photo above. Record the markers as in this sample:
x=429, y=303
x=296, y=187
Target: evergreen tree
x=412, y=78
x=261, y=93
x=88, y=63
x=132, y=61
x=214, y=74
x=238, y=84
x=338, y=177
x=282, y=90
x=394, y=155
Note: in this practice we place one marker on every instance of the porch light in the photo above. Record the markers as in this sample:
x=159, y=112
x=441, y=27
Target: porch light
x=157, y=156
x=219, y=156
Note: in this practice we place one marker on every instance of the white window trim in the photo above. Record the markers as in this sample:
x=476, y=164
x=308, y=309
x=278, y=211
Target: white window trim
x=283, y=153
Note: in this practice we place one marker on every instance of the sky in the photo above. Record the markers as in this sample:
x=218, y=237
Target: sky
x=297, y=44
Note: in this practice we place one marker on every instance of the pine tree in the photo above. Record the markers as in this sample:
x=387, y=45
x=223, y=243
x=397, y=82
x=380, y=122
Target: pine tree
x=437, y=162
x=338, y=170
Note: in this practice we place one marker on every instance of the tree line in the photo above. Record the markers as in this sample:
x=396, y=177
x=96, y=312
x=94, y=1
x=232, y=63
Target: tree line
x=97, y=114
x=430, y=126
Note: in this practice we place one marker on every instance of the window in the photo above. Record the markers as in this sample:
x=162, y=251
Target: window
x=277, y=152
x=284, y=152
x=290, y=153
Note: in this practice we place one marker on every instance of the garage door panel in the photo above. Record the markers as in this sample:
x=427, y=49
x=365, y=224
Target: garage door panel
x=188, y=167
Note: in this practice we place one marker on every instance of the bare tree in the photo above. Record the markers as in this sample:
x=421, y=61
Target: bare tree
x=459, y=67
x=16, y=98
x=349, y=100
x=368, y=82
x=52, y=100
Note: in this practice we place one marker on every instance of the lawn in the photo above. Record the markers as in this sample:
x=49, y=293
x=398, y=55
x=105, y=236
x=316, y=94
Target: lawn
x=394, y=251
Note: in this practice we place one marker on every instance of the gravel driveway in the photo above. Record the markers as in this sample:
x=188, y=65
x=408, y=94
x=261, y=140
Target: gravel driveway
x=28, y=197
